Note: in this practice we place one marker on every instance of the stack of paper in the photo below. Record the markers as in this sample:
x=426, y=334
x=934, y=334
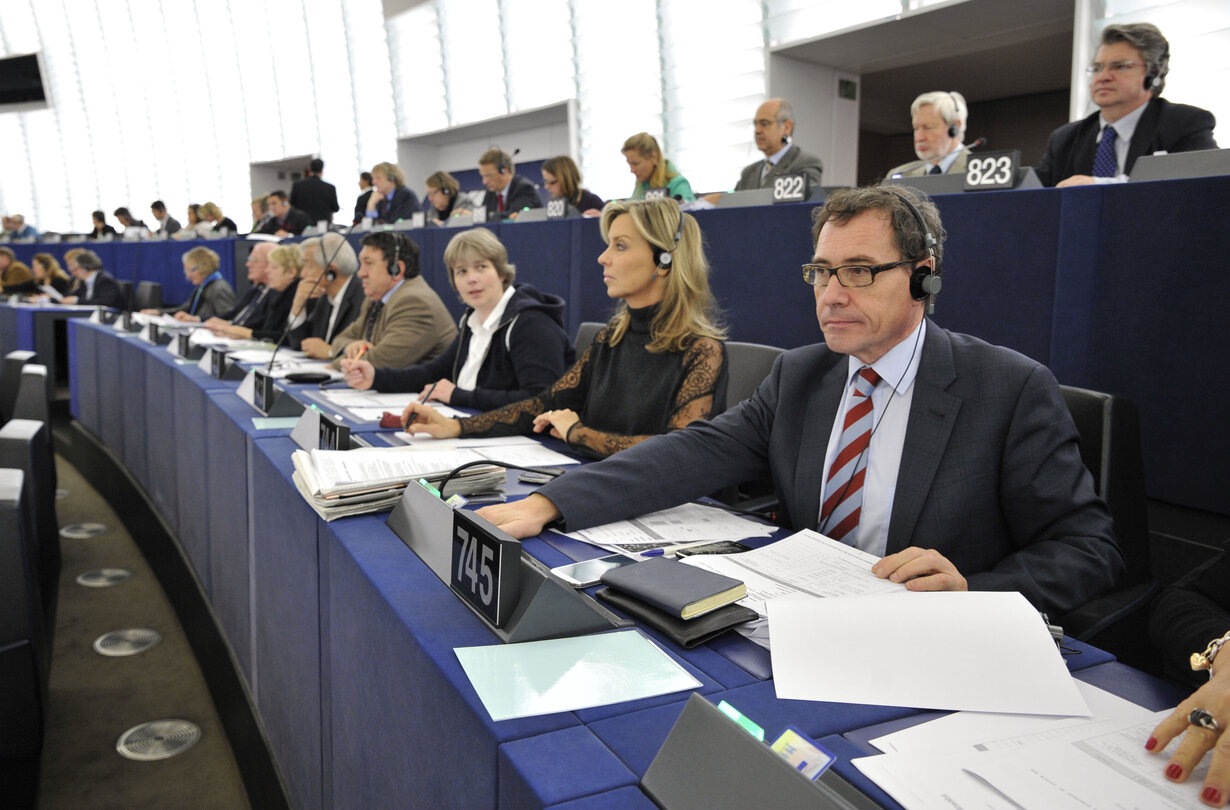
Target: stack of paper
x=369, y=406
x=972, y=759
x=337, y=483
x=687, y=525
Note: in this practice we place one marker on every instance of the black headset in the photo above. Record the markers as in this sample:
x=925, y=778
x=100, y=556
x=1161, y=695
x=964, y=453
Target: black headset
x=1154, y=77
x=925, y=283
x=953, y=131
x=663, y=258
x=393, y=268
x=330, y=274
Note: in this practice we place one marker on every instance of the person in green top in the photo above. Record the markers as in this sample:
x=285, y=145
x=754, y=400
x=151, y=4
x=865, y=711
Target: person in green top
x=652, y=170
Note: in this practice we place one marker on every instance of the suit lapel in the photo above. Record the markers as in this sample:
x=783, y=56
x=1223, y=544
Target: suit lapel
x=782, y=166
x=823, y=400
x=933, y=412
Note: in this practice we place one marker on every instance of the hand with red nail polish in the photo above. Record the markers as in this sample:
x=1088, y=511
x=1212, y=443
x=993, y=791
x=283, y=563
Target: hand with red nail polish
x=1196, y=742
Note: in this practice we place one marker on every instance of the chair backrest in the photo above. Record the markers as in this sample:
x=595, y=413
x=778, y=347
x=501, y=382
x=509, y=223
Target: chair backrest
x=585, y=335
x=1109, y=427
x=148, y=296
x=32, y=395
x=749, y=364
x=26, y=445
x=10, y=381
x=125, y=294
x=24, y=648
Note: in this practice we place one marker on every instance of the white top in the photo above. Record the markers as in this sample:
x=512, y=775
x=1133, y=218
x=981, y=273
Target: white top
x=480, y=341
x=890, y=403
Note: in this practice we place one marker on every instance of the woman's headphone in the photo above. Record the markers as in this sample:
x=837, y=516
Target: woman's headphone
x=663, y=258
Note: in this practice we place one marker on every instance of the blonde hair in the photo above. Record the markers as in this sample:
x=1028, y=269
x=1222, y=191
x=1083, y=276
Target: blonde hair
x=391, y=171
x=648, y=147
x=205, y=259
x=478, y=243
x=287, y=256
x=71, y=255
x=209, y=211
x=49, y=262
x=687, y=310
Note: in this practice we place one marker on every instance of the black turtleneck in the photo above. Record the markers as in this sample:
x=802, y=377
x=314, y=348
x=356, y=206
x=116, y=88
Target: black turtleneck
x=622, y=393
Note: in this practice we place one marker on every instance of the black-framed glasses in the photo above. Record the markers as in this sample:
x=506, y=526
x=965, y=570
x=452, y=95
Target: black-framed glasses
x=1120, y=66
x=848, y=275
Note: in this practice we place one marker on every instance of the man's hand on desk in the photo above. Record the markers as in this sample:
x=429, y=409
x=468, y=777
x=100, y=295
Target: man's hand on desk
x=232, y=331
x=523, y=518
x=359, y=373
x=316, y=348
x=1076, y=180
x=420, y=418
x=184, y=316
x=559, y=422
x=921, y=569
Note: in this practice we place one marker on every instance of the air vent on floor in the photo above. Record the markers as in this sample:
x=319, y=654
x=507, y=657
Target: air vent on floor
x=158, y=739
x=104, y=577
x=82, y=531
x=129, y=641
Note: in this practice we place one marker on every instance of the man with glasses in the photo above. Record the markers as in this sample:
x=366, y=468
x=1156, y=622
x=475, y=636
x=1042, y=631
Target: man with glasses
x=953, y=460
x=772, y=128
x=1126, y=80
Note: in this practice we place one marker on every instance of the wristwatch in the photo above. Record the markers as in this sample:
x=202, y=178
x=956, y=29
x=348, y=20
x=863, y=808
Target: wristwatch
x=1204, y=660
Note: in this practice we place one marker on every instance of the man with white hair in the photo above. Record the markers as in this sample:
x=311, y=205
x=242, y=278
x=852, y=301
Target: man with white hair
x=939, y=119
x=327, y=299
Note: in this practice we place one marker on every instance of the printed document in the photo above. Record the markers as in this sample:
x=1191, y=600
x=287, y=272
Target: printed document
x=688, y=524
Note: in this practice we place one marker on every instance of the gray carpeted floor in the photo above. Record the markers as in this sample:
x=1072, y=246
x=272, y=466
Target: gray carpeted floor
x=94, y=699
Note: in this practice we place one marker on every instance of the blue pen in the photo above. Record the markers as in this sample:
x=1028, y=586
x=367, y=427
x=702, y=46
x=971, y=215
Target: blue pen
x=653, y=552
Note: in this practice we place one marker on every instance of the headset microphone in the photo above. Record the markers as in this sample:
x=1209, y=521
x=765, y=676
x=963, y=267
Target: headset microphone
x=663, y=258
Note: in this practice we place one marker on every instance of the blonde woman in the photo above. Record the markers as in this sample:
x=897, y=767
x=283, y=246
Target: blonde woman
x=212, y=295
x=659, y=363
x=210, y=212
x=49, y=273
x=282, y=278
x=651, y=170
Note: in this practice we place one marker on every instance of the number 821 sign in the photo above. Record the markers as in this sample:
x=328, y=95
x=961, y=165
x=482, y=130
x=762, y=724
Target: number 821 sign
x=992, y=170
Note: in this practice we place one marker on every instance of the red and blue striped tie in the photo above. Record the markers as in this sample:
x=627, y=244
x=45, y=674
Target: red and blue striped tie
x=843, y=502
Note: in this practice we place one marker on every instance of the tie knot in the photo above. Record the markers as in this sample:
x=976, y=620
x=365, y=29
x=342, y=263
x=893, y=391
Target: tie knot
x=865, y=381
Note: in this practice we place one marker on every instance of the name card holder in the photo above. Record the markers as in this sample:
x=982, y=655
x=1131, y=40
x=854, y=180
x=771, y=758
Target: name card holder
x=271, y=400
x=791, y=188
x=317, y=430
x=185, y=349
x=157, y=336
x=528, y=604
x=986, y=171
x=559, y=209
x=657, y=193
x=220, y=368
x=708, y=761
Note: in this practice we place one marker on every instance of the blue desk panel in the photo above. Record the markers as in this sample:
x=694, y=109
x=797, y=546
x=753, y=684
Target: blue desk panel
x=9, y=341
x=556, y=767
x=135, y=446
x=83, y=340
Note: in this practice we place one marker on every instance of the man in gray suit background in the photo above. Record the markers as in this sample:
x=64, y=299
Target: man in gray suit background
x=773, y=126
x=939, y=120
x=963, y=472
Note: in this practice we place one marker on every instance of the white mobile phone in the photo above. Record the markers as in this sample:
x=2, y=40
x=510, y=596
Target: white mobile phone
x=589, y=572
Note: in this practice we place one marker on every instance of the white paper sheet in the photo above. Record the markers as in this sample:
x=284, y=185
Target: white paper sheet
x=686, y=524
x=960, y=650
x=1107, y=769
x=566, y=674
x=984, y=731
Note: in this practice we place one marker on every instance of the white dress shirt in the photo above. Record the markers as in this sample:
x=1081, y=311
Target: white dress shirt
x=480, y=342
x=890, y=402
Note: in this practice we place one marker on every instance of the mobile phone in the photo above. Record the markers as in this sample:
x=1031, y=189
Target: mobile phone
x=589, y=572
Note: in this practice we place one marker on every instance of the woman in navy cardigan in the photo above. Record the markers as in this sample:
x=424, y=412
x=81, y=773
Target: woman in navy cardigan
x=511, y=342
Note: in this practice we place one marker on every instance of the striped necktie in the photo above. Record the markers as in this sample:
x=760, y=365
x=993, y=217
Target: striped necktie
x=843, y=501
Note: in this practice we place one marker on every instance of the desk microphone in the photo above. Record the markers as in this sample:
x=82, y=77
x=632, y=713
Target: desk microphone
x=315, y=284
x=977, y=143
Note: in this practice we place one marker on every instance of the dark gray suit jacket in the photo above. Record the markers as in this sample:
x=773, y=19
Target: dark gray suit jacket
x=320, y=310
x=1163, y=127
x=990, y=474
x=793, y=162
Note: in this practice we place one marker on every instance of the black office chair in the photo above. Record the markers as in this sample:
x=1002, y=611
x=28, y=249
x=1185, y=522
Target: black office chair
x=125, y=294
x=10, y=381
x=32, y=395
x=585, y=335
x=1109, y=427
x=24, y=651
x=749, y=364
x=26, y=445
x=148, y=296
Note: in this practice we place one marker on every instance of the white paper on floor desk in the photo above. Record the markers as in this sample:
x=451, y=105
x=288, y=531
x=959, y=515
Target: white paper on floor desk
x=954, y=650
